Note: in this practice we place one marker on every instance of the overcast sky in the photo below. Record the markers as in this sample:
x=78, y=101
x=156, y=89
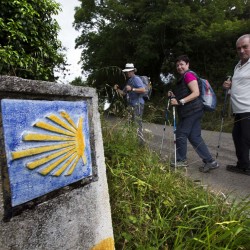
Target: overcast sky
x=68, y=35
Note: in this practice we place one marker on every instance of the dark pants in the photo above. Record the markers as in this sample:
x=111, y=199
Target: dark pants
x=241, y=138
x=189, y=128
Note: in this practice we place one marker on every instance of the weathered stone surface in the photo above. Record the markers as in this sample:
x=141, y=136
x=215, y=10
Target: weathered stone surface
x=78, y=217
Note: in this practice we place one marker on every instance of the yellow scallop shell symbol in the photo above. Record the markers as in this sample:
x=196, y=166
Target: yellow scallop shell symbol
x=65, y=148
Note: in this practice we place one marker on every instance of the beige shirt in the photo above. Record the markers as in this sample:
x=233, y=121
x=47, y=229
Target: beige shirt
x=240, y=90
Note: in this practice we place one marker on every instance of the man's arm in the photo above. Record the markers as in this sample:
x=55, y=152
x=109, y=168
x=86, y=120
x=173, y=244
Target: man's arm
x=121, y=92
x=138, y=90
x=138, y=86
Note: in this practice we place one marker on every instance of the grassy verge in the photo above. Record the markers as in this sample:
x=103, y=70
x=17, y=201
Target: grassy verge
x=156, y=208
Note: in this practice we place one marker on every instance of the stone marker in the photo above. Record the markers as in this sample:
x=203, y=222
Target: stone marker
x=53, y=187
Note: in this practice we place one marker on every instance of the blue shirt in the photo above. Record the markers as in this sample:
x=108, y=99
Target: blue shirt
x=132, y=97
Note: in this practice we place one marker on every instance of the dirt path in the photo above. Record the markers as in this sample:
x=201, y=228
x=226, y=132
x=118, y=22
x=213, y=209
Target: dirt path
x=219, y=180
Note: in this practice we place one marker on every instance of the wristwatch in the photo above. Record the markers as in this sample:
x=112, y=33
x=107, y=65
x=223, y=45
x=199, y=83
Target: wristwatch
x=182, y=101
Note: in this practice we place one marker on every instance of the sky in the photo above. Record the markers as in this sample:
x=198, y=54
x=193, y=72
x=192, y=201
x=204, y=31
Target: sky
x=67, y=36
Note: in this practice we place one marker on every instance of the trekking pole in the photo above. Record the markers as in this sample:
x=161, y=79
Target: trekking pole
x=165, y=125
x=174, y=130
x=174, y=127
x=222, y=117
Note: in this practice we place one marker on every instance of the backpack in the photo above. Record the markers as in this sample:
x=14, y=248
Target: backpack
x=207, y=94
x=148, y=86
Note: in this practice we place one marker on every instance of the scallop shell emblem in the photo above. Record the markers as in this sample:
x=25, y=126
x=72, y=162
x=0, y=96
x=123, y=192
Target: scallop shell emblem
x=63, y=145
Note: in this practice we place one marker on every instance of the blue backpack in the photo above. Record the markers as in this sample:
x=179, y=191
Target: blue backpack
x=148, y=86
x=207, y=94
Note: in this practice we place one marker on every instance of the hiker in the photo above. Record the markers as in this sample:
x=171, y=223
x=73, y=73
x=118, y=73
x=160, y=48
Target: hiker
x=134, y=90
x=186, y=98
x=240, y=99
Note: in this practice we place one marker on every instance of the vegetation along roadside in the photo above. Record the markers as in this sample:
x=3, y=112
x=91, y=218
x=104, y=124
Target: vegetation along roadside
x=156, y=208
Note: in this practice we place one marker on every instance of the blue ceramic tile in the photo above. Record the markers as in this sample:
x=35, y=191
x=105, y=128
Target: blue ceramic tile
x=47, y=146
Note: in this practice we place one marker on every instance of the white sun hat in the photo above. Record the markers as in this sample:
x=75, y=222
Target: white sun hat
x=129, y=67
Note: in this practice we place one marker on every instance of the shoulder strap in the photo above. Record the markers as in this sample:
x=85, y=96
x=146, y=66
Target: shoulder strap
x=198, y=80
x=191, y=72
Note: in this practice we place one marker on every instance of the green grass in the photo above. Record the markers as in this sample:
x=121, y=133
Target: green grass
x=156, y=208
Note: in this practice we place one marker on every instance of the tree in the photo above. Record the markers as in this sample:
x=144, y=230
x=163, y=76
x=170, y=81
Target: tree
x=78, y=81
x=28, y=39
x=152, y=33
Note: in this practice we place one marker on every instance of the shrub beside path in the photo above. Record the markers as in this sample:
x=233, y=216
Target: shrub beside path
x=219, y=180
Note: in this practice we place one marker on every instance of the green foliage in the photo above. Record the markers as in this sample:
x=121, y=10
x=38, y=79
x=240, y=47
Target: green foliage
x=152, y=33
x=106, y=76
x=28, y=40
x=156, y=208
x=78, y=81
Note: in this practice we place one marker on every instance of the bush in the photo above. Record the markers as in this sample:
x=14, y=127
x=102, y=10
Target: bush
x=156, y=208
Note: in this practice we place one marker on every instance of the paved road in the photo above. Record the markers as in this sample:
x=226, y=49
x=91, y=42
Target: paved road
x=219, y=180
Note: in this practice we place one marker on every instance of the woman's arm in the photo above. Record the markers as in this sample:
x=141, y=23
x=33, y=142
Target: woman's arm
x=195, y=92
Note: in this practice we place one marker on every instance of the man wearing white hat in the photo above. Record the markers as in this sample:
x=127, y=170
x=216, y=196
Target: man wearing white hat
x=134, y=90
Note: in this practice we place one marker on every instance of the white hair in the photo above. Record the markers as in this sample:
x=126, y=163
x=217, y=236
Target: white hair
x=243, y=37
